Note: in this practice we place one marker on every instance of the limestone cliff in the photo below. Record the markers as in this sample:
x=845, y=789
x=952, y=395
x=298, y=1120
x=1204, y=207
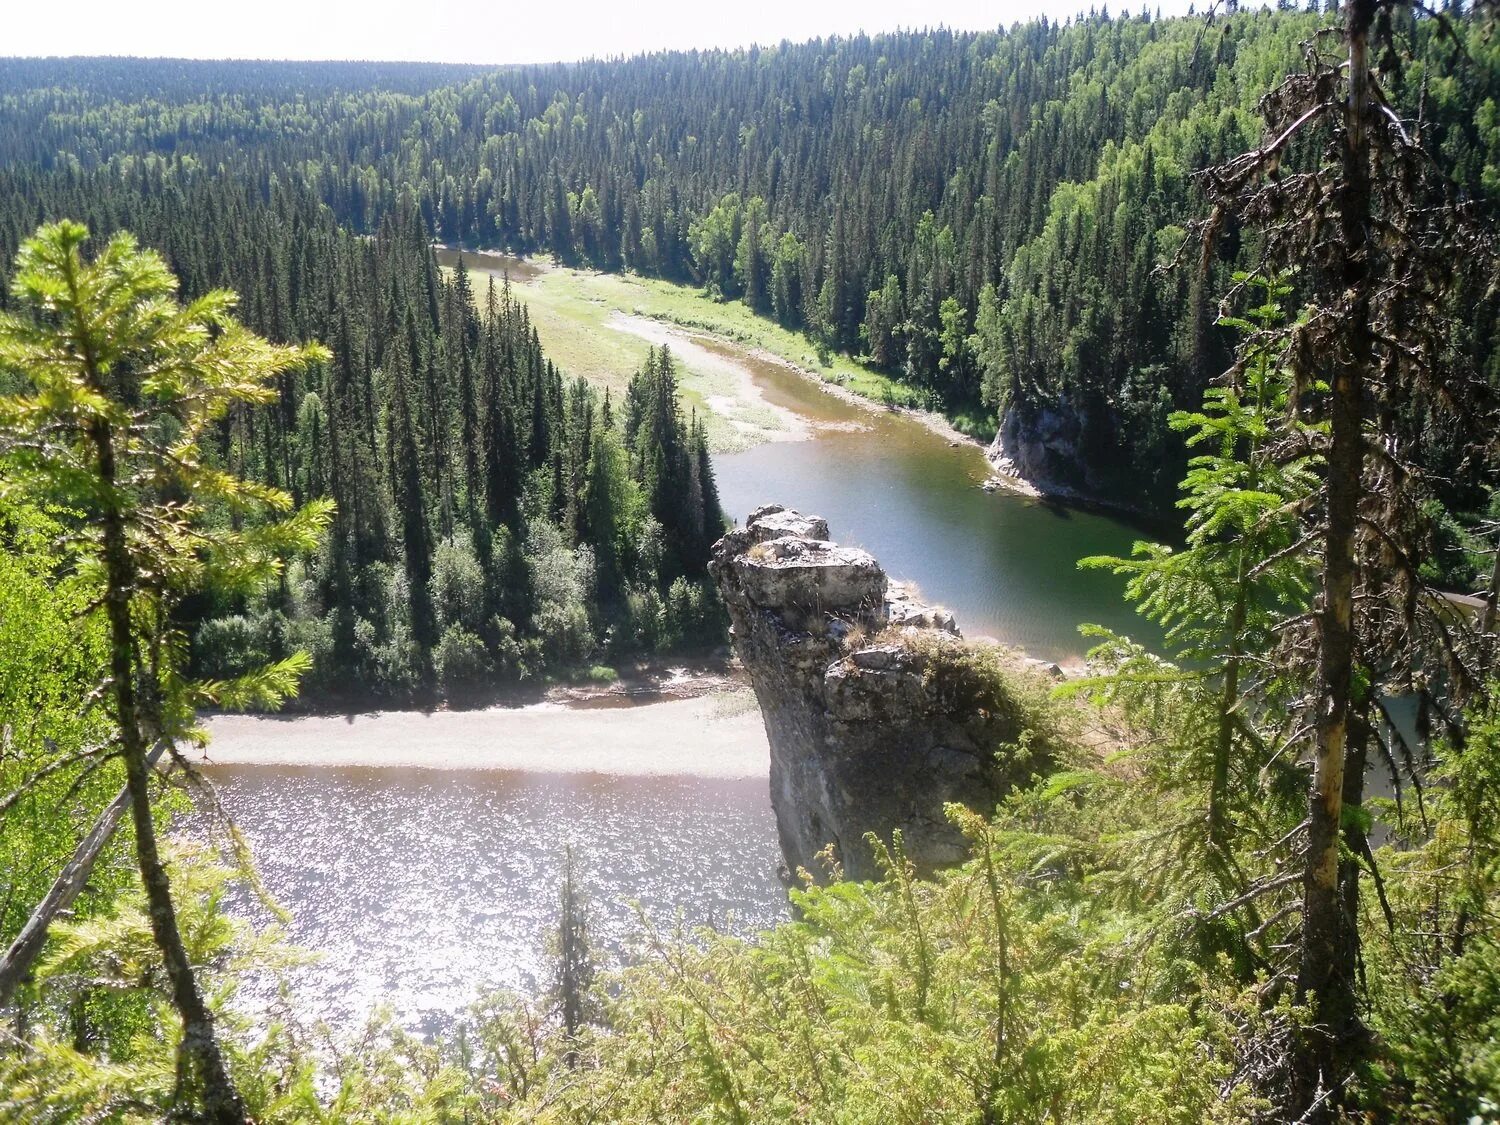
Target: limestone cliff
x=1048, y=451
x=878, y=713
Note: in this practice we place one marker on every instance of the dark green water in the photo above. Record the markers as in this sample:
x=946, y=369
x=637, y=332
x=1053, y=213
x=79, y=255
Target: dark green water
x=1004, y=564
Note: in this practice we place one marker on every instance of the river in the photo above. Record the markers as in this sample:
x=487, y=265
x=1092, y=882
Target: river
x=419, y=886
x=1005, y=564
x=416, y=888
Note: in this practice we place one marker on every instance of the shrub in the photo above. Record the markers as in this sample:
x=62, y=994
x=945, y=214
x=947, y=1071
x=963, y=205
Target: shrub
x=565, y=634
x=514, y=659
x=989, y=683
x=460, y=660
x=225, y=647
x=458, y=583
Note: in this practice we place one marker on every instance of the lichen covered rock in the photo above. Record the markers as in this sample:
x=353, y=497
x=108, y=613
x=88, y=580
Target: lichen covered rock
x=877, y=712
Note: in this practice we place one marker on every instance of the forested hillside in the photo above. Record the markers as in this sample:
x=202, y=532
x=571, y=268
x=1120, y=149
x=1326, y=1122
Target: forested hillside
x=495, y=520
x=988, y=215
x=1250, y=873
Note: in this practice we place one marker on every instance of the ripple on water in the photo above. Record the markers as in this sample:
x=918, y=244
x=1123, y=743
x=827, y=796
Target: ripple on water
x=419, y=888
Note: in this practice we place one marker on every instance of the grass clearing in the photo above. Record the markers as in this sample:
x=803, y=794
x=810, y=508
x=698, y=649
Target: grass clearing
x=577, y=317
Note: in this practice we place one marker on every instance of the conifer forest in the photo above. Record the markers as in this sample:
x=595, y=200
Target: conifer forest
x=421, y=403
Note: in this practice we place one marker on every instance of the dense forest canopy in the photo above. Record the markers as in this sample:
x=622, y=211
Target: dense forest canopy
x=987, y=214
x=1199, y=909
x=491, y=522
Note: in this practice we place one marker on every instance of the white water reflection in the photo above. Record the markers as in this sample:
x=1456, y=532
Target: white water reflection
x=420, y=888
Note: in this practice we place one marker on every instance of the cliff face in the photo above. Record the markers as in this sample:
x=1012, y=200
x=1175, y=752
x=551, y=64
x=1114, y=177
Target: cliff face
x=1049, y=451
x=877, y=712
x=1044, y=452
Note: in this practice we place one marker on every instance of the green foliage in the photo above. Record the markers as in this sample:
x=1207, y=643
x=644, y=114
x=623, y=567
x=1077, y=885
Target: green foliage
x=984, y=681
x=969, y=998
x=562, y=578
x=104, y=976
x=424, y=425
x=1051, y=165
x=111, y=357
x=122, y=384
x=55, y=770
x=264, y=689
x=458, y=584
x=715, y=239
x=1436, y=989
x=1223, y=598
x=1245, y=565
x=669, y=459
x=461, y=661
x=988, y=346
x=990, y=215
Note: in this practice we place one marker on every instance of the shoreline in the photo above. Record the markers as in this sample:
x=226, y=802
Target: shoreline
x=1012, y=483
x=999, y=480
x=932, y=420
x=745, y=399
x=673, y=676
x=710, y=736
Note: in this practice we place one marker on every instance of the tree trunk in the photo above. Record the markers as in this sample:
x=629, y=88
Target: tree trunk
x=66, y=888
x=1229, y=698
x=199, y=1061
x=1325, y=976
x=1356, y=843
x=1491, y=610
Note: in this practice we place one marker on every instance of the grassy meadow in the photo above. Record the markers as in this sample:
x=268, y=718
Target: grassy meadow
x=582, y=318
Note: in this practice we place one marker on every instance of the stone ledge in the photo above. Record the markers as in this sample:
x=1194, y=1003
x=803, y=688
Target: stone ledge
x=870, y=726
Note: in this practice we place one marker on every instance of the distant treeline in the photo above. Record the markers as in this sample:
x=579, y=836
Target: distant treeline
x=986, y=214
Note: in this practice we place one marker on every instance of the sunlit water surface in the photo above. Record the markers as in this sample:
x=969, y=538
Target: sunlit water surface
x=418, y=888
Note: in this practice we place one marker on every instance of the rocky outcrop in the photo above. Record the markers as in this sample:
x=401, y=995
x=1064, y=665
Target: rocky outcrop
x=877, y=712
x=1081, y=456
x=1042, y=452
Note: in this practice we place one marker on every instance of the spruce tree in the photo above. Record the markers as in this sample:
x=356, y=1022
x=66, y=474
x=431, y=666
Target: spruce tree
x=124, y=385
x=411, y=507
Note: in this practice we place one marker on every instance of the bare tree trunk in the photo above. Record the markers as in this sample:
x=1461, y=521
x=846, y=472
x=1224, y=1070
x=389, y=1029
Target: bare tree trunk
x=65, y=890
x=1229, y=698
x=1218, y=791
x=1326, y=970
x=1491, y=610
x=1356, y=844
x=199, y=1061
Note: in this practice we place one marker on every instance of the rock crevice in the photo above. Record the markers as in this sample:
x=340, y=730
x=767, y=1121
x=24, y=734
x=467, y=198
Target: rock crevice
x=877, y=712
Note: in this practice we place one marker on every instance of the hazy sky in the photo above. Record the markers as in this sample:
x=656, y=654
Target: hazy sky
x=481, y=31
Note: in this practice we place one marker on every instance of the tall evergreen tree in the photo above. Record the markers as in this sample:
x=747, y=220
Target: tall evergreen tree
x=124, y=384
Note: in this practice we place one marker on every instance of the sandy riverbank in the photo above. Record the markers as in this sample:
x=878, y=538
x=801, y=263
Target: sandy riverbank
x=938, y=423
x=748, y=417
x=731, y=394
x=710, y=736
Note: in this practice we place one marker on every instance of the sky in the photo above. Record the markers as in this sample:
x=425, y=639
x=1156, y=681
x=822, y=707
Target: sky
x=476, y=31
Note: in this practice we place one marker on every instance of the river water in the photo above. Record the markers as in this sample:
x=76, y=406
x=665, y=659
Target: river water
x=1005, y=564
x=418, y=887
